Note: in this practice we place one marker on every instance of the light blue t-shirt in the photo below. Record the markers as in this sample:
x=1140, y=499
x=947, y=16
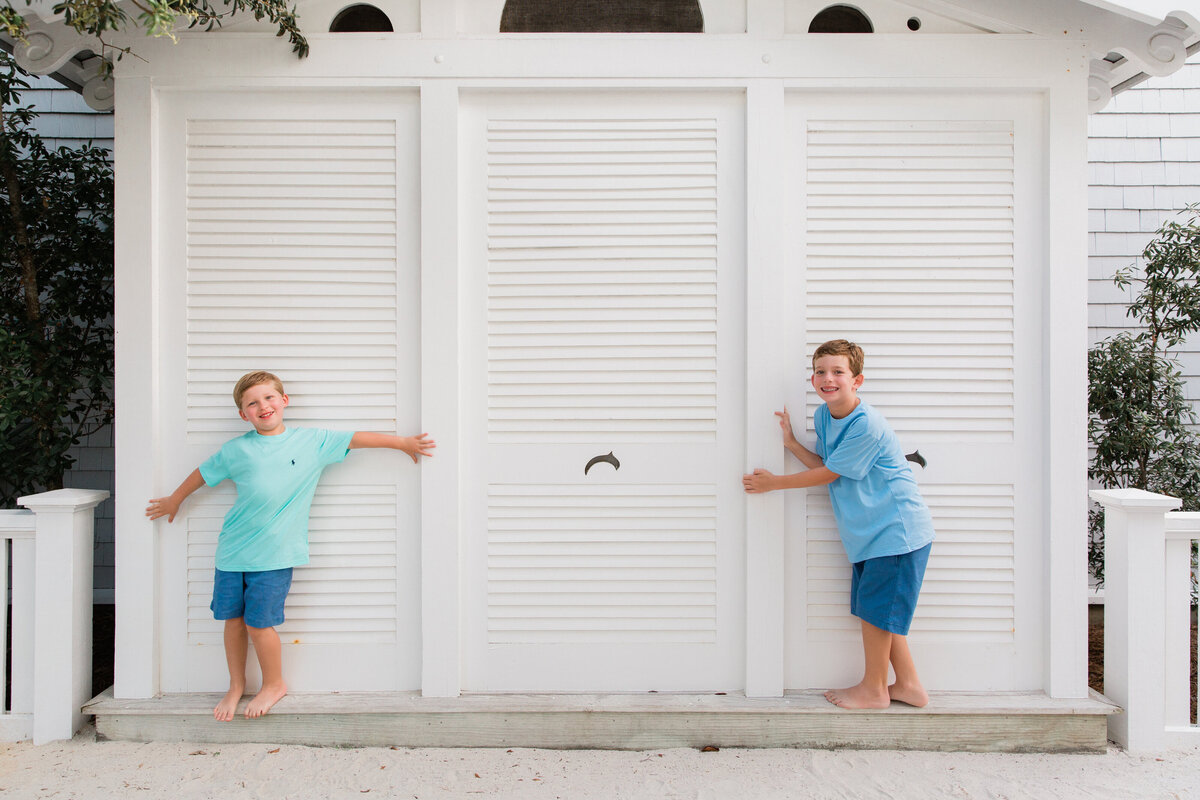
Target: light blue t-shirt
x=876, y=503
x=276, y=476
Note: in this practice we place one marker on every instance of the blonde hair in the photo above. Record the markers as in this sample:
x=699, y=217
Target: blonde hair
x=251, y=379
x=842, y=347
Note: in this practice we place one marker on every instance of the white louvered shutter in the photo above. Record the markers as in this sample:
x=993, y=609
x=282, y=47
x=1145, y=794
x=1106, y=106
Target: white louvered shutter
x=911, y=249
x=599, y=283
x=300, y=254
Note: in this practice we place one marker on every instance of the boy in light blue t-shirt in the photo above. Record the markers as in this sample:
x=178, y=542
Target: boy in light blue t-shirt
x=884, y=524
x=265, y=532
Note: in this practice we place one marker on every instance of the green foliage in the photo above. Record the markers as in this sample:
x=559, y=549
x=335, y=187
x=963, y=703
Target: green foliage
x=1141, y=426
x=56, y=297
x=100, y=18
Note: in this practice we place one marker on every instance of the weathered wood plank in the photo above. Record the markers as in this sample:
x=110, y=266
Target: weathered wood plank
x=977, y=723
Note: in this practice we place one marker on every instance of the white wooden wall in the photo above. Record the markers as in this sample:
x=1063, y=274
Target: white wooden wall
x=991, y=288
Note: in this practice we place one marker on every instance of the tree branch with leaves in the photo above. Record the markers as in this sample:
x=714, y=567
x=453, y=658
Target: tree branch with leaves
x=1141, y=425
x=56, y=297
x=101, y=18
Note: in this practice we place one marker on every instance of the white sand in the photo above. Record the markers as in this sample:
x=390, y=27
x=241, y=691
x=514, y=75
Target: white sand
x=84, y=768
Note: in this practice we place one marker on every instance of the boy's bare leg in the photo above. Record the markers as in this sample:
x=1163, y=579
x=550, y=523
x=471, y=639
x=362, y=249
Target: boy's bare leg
x=872, y=690
x=235, y=658
x=907, y=688
x=270, y=660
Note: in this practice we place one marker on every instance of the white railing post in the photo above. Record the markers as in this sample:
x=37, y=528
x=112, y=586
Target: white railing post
x=1181, y=529
x=62, y=641
x=1134, y=643
x=19, y=528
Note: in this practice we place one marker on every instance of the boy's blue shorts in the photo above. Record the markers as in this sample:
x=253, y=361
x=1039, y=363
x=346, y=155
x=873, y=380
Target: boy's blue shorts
x=257, y=597
x=883, y=591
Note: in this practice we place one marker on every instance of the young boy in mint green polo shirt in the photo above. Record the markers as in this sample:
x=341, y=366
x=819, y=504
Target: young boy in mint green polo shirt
x=884, y=524
x=275, y=469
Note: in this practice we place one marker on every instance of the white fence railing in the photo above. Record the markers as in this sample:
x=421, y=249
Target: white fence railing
x=1182, y=529
x=49, y=549
x=1148, y=618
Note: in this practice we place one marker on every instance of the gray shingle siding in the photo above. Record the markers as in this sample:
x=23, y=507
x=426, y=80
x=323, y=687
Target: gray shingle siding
x=64, y=119
x=1144, y=166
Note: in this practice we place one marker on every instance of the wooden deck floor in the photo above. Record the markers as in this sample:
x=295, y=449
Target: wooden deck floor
x=1004, y=722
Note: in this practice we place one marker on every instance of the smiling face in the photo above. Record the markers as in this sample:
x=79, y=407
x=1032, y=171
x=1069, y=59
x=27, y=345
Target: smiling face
x=837, y=384
x=262, y=407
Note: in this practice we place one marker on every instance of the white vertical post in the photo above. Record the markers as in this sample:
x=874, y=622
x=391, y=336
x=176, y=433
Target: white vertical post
x=62, y=644
x=3, y=621
x=765, y=226
x=1064, y=349
x=22, y=624
x=1177, y=618
x=136, y=387
x=441, y=582
x=1134, y=525
x=17, y=527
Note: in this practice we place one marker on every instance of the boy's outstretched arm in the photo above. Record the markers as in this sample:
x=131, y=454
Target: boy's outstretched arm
x=807, y=457
x=415, y=446
x=169, y=506
x=761, y=481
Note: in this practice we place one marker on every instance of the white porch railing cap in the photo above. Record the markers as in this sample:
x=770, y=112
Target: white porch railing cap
x=64, y=500
x=17, y=523
x=1135, y=499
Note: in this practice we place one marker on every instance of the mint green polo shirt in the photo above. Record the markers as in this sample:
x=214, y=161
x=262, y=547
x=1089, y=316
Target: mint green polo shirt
x=276, y=477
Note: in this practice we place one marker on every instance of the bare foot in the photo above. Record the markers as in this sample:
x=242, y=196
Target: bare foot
x=228, y=705
x=914, y=694
x=858, y=697
x=267, y=697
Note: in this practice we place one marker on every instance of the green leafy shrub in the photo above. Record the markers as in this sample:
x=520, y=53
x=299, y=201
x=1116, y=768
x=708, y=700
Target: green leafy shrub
x=56, y=302
x=1140, y=424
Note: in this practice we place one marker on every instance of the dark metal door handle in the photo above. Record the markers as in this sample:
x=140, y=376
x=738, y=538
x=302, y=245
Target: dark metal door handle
x=608, y=459
x=916, y=457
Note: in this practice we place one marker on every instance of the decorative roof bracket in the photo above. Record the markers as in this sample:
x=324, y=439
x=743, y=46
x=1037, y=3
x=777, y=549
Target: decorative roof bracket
x=50, y=46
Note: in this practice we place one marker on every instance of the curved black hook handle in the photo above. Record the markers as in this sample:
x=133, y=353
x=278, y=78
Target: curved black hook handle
x=916, y=457
x=608, y=459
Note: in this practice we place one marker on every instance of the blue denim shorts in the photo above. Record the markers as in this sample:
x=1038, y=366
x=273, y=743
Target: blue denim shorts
x=257, y=597
x=883, y=591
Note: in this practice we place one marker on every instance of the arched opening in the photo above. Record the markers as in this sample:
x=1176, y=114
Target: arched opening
x=602, y=16
x=841, y=19
x=360, y=18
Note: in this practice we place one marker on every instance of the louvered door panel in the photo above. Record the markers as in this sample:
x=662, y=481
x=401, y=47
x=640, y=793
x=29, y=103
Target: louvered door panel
x=909, y=241
x=918, y=238
x=346, y=594
x=295, y=238
x=615, y=564
x=602, y=279
x=291, y=253
x=968, y=594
